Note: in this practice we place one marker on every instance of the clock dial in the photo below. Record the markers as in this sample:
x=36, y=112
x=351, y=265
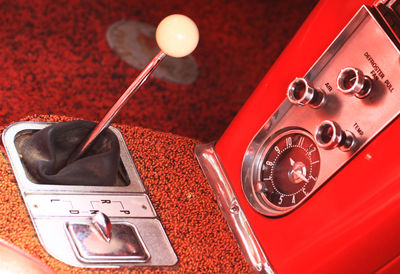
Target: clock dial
x=289, y=170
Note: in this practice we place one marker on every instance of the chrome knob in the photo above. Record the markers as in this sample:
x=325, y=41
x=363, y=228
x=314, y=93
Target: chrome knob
x=300, y=92
x=329, y=135
x=352, y=81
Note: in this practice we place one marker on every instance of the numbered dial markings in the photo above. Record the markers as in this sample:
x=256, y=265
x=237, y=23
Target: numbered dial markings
x=289, y=170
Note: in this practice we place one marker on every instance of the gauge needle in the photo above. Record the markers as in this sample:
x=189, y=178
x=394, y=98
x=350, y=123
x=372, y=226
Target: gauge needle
x=297, y=172
x=300, y=174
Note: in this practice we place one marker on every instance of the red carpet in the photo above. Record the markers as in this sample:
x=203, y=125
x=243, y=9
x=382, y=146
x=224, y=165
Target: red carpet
x=54, y=59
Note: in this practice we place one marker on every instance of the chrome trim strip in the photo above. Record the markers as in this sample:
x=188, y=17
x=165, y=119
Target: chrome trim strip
x=230, y=207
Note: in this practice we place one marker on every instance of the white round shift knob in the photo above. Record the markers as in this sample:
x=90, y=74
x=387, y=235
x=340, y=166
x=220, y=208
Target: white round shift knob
x=177, y=35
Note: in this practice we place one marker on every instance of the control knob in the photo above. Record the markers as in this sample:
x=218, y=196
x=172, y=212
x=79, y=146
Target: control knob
x=329, y=135
x=300, y=92
x=352, y=81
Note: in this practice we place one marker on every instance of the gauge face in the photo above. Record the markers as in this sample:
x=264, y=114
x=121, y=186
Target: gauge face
x=289, y=170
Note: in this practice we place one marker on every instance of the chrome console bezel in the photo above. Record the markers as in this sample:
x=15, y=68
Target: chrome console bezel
x=50, y=221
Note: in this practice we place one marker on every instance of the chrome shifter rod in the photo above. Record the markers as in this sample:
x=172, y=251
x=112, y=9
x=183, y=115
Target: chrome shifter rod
x=177, y=36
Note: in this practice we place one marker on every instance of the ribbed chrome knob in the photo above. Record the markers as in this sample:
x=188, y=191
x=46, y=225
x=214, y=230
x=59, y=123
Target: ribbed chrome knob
x=329, y=135
x=300, y=92
x=352, y=81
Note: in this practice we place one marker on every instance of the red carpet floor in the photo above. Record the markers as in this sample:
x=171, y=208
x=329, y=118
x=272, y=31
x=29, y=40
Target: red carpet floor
x=54, y=59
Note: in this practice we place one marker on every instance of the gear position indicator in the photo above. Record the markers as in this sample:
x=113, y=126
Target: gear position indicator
x=137, y=206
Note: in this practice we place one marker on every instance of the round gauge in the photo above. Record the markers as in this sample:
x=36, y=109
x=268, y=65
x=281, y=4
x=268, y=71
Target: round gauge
x=289, y=170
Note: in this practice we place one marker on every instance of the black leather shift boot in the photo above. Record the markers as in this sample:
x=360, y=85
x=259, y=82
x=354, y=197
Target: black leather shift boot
x=46, y=152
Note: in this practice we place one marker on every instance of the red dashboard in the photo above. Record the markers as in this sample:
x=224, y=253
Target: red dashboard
x=350, y=224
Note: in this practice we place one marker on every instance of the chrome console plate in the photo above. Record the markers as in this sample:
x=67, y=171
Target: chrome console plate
x=365, y=45
x=56, y=209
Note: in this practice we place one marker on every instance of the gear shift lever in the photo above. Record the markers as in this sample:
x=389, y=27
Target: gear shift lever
x=177, y=36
